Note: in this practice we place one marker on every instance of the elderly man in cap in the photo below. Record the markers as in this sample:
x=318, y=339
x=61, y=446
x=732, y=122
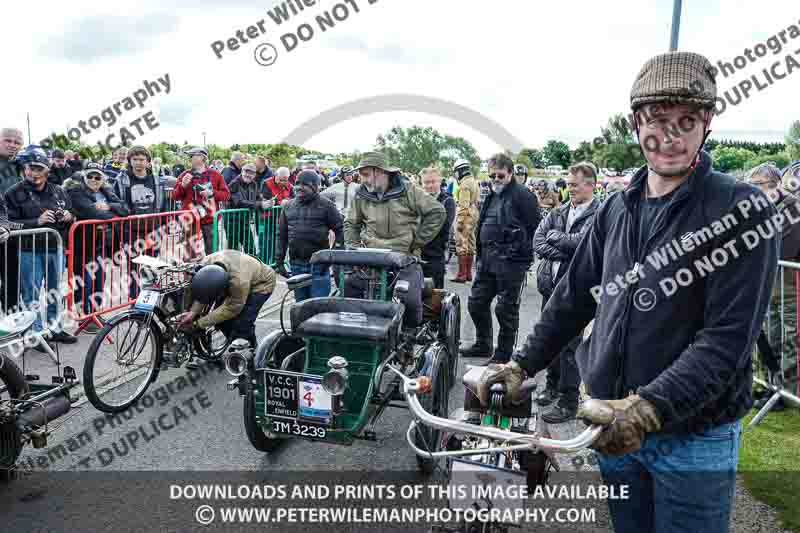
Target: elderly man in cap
x=388, y=212
x=303, y=229
x=200, y=189
x=35, y=203
x=245, y=194
x=674, y=359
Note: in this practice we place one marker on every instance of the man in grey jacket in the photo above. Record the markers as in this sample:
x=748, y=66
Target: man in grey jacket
x=555, y=242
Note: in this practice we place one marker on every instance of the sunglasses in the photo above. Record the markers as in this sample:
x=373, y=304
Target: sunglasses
x=94, y=177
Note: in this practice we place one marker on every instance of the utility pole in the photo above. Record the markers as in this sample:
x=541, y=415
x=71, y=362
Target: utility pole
x=29, y=128
x=204, y=140
x=676, y=25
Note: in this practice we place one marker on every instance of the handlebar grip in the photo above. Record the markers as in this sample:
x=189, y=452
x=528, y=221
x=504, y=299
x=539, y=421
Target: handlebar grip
x=596, y=412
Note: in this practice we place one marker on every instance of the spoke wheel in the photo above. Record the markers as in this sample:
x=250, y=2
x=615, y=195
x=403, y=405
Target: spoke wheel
x=122, y=361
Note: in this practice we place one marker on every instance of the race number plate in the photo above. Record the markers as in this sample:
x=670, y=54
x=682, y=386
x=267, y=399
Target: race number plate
x=297, y=397
x=147, y=300
x=315, y=402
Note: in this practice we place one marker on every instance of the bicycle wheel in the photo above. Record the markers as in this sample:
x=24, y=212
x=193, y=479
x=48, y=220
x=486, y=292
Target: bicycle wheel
x=122, y=361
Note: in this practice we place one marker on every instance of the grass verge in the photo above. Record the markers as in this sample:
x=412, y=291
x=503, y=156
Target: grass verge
x=769, y=463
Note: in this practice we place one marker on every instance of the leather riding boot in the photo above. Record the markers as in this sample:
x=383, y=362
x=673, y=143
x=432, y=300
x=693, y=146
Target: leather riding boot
x=461, y=277
x=468, y=267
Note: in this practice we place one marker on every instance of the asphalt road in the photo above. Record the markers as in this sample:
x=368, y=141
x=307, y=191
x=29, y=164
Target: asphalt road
x=101, y=474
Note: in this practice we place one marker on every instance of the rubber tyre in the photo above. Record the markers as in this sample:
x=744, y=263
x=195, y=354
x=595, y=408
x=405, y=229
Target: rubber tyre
x=11, y=376
x=255, y=434
x=435, y=403
x=537, y=467
x=91, y=355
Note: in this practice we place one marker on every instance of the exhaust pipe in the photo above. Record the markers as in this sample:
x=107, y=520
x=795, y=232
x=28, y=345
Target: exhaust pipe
x=49, y=410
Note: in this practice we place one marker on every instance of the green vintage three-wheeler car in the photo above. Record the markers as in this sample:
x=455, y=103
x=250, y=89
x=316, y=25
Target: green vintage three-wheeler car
x=330, y=376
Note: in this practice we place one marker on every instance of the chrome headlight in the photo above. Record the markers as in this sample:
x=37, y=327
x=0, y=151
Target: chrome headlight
x=238, y=358
x=335, y=380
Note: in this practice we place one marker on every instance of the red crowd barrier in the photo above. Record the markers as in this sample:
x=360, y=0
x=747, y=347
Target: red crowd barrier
x=101, y=276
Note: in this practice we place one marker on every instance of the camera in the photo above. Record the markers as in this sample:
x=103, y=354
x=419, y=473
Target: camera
x=58, y=215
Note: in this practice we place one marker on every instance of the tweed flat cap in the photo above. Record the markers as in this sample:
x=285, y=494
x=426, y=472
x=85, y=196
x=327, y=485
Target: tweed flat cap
x=675, y=77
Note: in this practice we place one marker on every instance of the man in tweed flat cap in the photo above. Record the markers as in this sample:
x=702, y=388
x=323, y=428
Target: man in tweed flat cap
x=673, y=331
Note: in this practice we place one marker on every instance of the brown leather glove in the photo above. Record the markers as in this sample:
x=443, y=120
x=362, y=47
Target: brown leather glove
x=635, y=417
x=509, y=373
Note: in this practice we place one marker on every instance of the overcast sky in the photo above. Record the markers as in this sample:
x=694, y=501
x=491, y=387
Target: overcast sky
x=540, y=69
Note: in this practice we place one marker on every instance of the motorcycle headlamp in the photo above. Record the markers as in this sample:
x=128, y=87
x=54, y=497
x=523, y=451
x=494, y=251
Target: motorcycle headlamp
x=335, y=380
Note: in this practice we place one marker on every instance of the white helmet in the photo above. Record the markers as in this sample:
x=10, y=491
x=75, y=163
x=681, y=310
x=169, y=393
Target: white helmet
x=460, y=164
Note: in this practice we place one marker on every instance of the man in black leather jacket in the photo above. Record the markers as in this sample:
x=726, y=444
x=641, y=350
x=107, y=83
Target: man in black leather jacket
x=507, y=222
x=303, y=229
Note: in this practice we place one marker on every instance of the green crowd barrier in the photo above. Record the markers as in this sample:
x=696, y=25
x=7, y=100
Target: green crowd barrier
x=252, y=231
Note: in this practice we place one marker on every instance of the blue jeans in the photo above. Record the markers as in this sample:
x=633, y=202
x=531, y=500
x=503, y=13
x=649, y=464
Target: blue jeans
x=32, y=277
x=93, y=287
x=676, y=483
x=320, y=280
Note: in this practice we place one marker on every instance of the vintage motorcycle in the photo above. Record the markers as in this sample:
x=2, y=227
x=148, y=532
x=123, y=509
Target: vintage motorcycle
x=27, y=407
x=127, y=354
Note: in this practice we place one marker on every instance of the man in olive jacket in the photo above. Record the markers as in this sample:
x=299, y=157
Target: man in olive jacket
x=389, y=213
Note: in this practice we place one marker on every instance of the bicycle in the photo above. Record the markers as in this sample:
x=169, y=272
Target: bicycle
x=146, y=338
x=505, y=441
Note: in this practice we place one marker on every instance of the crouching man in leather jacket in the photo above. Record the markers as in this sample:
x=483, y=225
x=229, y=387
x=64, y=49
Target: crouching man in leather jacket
x=388, y=212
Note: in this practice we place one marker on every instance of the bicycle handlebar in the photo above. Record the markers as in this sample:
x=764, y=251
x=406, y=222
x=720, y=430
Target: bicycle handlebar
x=519, y=441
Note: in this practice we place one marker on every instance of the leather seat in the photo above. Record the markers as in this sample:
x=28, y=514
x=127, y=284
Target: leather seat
x=364, y=257
x=324, y=317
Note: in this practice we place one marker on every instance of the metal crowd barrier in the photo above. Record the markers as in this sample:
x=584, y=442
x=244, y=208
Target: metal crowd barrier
x=252, y=231
x=100, y=273
x=32, y=277
x=168, y=204
x=780, y=327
